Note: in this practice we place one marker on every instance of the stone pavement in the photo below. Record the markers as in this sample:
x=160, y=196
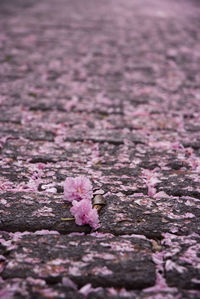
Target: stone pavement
x=109, y=89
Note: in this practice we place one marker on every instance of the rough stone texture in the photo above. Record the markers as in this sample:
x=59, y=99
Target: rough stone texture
x=108, y=89
x=104, y=261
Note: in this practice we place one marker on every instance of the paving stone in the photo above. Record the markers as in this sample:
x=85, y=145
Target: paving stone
x=24, y=211
x=182, y=261
x=105, y=261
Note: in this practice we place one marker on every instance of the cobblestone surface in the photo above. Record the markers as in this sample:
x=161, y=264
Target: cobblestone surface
x=108, y=89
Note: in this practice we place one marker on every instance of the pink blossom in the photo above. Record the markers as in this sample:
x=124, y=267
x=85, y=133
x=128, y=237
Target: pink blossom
x=77, y=188
x=84, y=213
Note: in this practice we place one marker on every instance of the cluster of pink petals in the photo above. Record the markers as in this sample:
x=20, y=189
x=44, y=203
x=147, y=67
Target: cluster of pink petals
x=84, y=213
x=77, y=188
x=79, y=191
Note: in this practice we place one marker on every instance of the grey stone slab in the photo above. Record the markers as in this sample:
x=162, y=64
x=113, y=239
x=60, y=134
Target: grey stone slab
x=105, y=261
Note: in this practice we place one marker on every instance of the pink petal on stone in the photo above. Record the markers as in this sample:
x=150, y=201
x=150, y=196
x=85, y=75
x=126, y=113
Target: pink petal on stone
x=84, y=213
x=77, y=188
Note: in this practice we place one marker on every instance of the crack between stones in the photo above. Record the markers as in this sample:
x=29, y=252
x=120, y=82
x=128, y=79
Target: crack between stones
x=60, y=232
x=114, y=142
x=182, y=193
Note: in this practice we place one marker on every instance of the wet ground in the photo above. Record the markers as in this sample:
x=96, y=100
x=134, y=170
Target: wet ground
x=110, y=90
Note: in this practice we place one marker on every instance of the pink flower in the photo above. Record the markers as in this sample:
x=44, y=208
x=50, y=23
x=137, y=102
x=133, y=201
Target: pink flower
x=84, y=213
x=77, y=188
x=79, y=191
